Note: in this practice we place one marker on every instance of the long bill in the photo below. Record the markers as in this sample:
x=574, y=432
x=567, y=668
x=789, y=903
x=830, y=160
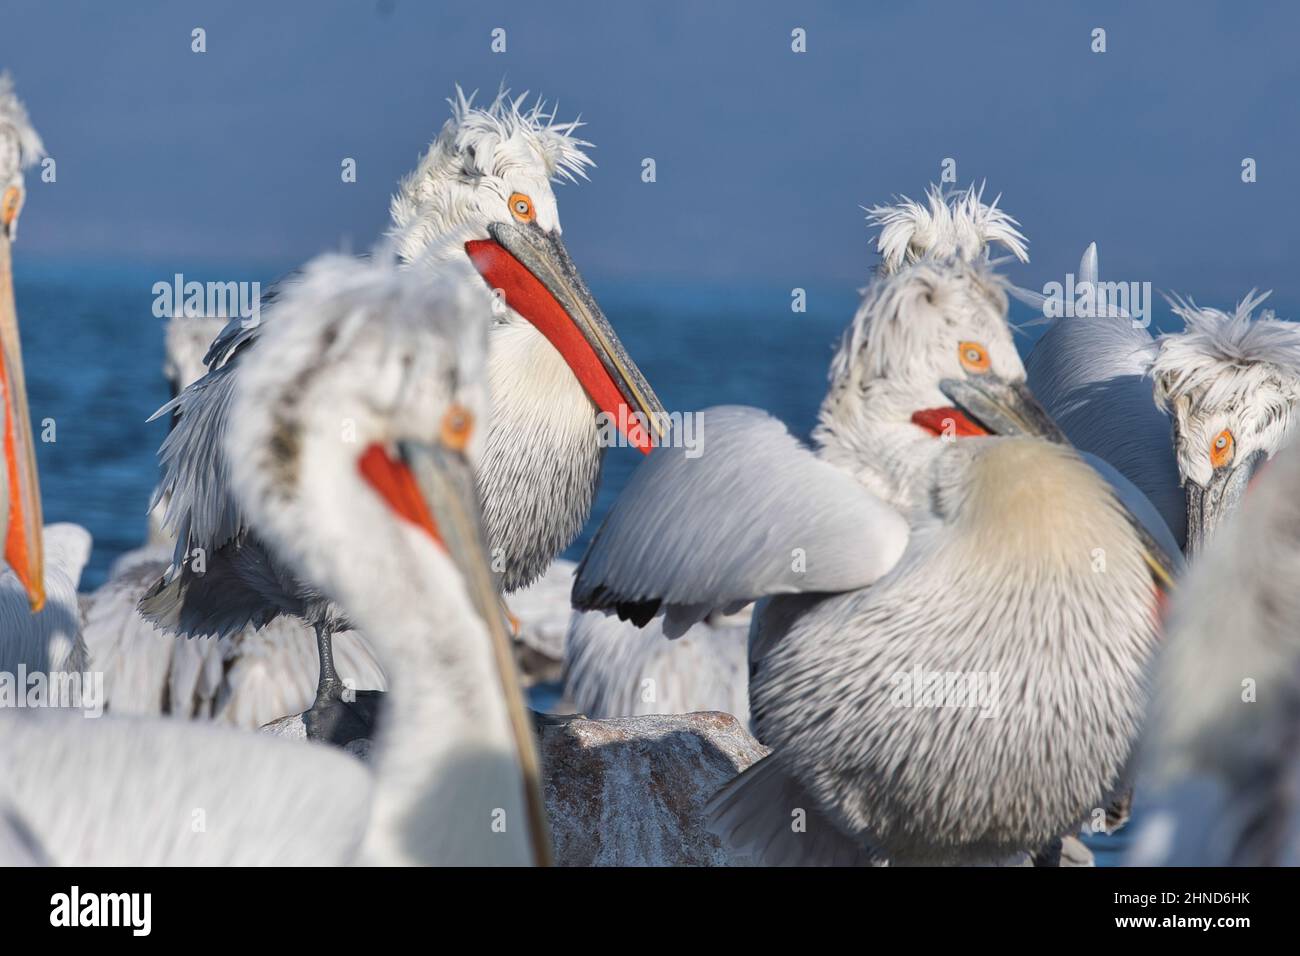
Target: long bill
x=1003, y=408
x=21, y=522
x=1209, y=504
x=533, y=270
x=445, y=480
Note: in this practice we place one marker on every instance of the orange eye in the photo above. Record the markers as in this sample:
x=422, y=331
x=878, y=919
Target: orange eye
x=1222, y=448
x=457, y=426
x=522, y=207
x=974, y=357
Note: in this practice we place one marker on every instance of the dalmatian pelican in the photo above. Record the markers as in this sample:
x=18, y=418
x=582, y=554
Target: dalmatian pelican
x=481, y=197
x=1186, y=416
x=1219, y=764
x=1231, y=383
x=388, y=526
x=985, y=550
x=614, y=669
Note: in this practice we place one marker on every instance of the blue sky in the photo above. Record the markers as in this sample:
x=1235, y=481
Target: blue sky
x=763, y=155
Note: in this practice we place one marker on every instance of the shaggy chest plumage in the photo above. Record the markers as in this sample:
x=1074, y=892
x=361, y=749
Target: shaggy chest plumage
x=541, y=464
x=982, y=698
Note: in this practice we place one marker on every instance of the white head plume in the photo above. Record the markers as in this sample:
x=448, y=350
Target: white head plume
x=1228, y=370
x=20, y=145
x=947, y=224
x=905, y=340
x=503, y=147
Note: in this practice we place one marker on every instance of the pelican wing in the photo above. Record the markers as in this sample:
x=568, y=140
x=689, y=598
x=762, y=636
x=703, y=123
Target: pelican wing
x=607, y=663
x=195, y=484
x=1091, y=373
x=749, y=512
x=1141, y=508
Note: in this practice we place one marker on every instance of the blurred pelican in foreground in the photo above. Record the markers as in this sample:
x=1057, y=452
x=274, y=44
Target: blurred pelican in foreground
x=20, y=500
x=612, y=668
x=1220, y=767
x=1187, y=416
x=247, y=678
x=913, y=543
x=480, y=197
x=388, y=526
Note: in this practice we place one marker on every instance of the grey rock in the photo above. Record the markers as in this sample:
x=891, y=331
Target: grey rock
x=631, y=791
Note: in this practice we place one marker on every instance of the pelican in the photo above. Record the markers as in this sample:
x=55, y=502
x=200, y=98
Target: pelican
x=1219, y=761
x=481, y=197
x=1144, y=404
x=247, y=678
x=20, y=495
x=990, y=574
x=1231, y=383
x=614, y=669
x=388, y=526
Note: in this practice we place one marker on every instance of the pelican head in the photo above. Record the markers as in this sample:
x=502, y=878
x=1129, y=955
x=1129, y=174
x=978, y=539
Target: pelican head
x=953, y=224
x=483, y=190
x=353, y=434
x=1231, y=384
x=20, y=146
x=929, y=354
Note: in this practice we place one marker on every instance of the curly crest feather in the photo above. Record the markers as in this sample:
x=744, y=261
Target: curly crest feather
x=479, y=150
x=14, y=115
x=1226, y=358
x=956, y=223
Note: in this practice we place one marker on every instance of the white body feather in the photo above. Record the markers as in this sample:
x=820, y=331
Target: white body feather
x=48, y=642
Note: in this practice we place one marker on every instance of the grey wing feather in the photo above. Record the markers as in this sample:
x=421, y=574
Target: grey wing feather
x=241, y=586
x=1090, y=373
x=607, y=663
x=195, y=484
x=753, y=815
x=1141, y=507
x=755, y=513
x=200, y=508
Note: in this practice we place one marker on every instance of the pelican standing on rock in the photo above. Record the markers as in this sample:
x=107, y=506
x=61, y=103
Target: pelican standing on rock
x=991, y=576
x=386, y=525
x=614, y=669
x=480, y=197
x=1219, y=764
x=20, y=496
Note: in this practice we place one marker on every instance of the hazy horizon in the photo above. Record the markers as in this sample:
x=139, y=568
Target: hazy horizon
x=764, y=156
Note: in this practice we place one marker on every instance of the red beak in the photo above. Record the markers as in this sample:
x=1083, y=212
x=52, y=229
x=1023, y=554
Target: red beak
x=540, y=282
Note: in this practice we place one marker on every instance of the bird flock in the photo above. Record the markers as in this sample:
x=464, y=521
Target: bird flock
x=991, y=603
